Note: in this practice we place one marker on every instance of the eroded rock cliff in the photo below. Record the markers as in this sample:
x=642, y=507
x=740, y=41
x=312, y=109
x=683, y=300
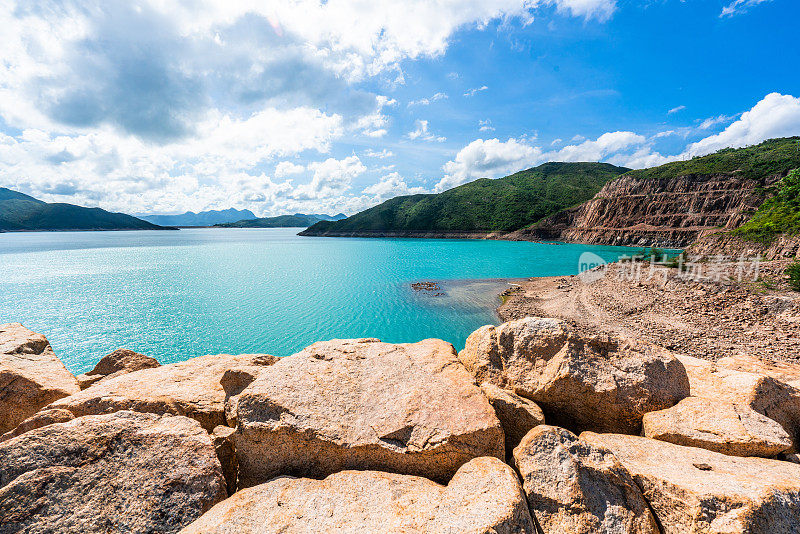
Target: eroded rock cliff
x=663, y=212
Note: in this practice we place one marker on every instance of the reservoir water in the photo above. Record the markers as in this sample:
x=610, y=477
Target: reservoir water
x=175, y=295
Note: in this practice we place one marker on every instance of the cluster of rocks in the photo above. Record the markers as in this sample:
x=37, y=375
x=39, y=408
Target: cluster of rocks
x=428, y=288
x=532, y=428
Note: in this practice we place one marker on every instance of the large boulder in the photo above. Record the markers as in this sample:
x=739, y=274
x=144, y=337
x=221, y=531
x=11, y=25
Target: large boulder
x=192, y=388
x=720, y=426
x=574, y=487
x=763, y=393
x=123, y=472
x=31, y=376
x=117, y=363
x=787, y=372
x=362, y=404
x=517, y=415
x=600, y=382
x=696, y=490
x=484, y=496
x=45, y=417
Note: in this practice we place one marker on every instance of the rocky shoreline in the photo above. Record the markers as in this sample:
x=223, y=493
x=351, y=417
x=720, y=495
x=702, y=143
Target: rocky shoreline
x=711, y=317
x=537, y=426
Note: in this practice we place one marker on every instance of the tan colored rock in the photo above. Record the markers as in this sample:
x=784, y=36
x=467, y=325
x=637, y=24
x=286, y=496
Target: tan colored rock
x=574, y=487
x=123, y=472
x=221, y=438
x=38, y=420
x=764, y=394
x=117, y=363
x=31, y=376
x=363, y=404
x=787, y=372
x=192, y=388
x=694, y=490
x=517, y=415
x=720, y=426
x=484, y=496
x=600, y=382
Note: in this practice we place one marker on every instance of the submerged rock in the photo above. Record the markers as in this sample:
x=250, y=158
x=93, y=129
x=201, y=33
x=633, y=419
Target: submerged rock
x=192, y=388
x=720, y=426
x=117, y=363
x=484, y=496
x=31, y=376
x=600, y=382
x=574, y=487
x=517, y=415
x=123, y=472
x=764, y=394
x=363, y=404
x=696, y=490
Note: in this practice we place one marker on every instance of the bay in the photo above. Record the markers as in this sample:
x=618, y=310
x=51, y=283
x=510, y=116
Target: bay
x=175, y=295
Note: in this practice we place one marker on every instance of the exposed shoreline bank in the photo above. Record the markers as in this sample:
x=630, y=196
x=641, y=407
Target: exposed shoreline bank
x=707, y=319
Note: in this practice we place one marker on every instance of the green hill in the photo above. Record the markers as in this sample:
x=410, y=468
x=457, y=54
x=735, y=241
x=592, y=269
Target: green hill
x=298, y=220
x=779, y=214
x=20, y=212
x=485, y=205
x=772, y=157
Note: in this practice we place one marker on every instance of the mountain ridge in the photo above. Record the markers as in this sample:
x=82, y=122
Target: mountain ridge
x=20, y=212
x=676, y=204
x=202, y=218
x=483, y=206
x=297, y=220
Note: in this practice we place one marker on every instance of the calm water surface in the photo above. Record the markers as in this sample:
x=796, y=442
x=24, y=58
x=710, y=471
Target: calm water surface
x=175, y=295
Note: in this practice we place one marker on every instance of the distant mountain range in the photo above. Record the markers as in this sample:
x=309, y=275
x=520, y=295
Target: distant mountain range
x=479, y=207
x=21, y=212
x=298, y=220
x=204, y=218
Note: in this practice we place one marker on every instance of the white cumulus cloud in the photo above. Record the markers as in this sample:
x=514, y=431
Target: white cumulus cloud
x=488, y=158
x=332, y=177
x=391, y=185
x=776, y=115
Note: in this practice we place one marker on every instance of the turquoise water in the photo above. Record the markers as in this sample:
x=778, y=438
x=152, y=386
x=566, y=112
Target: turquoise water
x=175, y=295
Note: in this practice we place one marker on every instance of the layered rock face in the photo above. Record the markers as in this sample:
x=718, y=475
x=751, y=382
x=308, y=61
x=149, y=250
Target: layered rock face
x=603, y=382
x=574, y=487
x=713, y=243
x=31, y=376
x=123, y=472
x=117, y=363
x=695, y=490
x=720, y=426
x=656, y=212
x=192, y=388
x=483, y=496
x=363, y=404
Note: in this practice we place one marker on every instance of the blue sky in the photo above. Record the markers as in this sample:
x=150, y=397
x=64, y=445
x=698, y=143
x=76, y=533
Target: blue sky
x=286, y=106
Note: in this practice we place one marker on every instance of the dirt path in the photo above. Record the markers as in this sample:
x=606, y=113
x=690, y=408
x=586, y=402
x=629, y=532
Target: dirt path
x=704, y=318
